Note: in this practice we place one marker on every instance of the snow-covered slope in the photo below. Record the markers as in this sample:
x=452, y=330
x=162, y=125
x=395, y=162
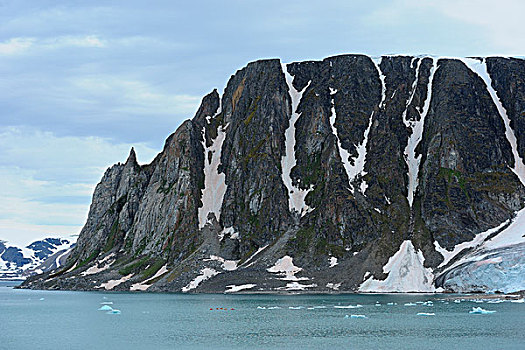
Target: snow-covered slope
x=39, y=256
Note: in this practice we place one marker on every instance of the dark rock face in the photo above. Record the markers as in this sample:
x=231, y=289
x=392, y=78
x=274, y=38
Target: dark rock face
x=385, y=151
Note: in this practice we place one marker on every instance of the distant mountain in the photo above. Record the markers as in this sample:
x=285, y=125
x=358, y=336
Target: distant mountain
x=352, y=173
x=38, y=257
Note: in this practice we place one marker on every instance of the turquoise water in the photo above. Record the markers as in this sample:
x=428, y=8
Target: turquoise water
x=70, y=320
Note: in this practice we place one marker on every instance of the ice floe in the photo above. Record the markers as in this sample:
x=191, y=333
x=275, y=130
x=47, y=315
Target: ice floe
x=105, y=308
x=355, y=316
x=480, y=311
x=348, y=306
x=426, y=314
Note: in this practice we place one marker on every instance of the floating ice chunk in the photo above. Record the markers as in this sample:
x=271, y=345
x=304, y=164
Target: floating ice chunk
x=480, y=311
x=426, y=314
x=390, y=304
x=457, y=301
x=355, y=316
x=261, y=307
x=348, y=306
x=105, y=308
x=106, y=303
x=233, y=288
x=497, y=301
x=410, y=304
x=274, y=307
x=519, y=301
x=295, y=307
x=114, y=312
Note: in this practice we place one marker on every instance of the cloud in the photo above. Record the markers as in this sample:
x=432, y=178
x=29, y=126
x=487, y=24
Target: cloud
x=47, y=180
x=15, y=46
x=29, y=45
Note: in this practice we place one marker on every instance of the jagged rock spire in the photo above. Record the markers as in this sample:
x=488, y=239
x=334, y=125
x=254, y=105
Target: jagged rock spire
x=132, y=156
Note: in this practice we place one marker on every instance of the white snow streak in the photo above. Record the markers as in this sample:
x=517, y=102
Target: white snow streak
x=113, y=283
x=206, y=273
x=214, y=183
x=233, y=288
x=475, y=242
x=227, y=265
x=104, y=266
x=333, y=261
x=143, y=285
x=415, y=137
x=296, y=196
x=253, y=256
x=406, y=273
x=480, y=68
x=234, y=234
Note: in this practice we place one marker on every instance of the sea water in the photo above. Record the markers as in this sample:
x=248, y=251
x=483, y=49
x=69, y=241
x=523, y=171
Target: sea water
x=71, y=320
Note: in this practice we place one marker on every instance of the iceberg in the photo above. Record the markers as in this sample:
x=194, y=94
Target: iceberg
x=355, y=316
x=113, y=312
x=480, y=311
x=426, y=314
x=348, y=306
x=105, y=308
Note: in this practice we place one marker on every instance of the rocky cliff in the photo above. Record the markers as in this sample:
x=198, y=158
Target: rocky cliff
x=347, y=174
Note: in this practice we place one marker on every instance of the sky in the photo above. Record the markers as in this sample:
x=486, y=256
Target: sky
x=81, y=82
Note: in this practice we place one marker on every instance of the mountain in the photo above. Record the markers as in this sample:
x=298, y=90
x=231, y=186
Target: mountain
x=351, y=173
x=38, y=257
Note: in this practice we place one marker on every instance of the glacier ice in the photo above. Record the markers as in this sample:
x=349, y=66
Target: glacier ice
x=480, y=311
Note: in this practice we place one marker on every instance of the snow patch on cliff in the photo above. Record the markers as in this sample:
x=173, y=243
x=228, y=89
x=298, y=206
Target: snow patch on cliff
x=474, y=243
x=109, y=285
x=296, y=196
x=206, y=273
x=415, y=137
x=100, y=265
x=286, y=267
x=214, y=182
x=406, y=273
x=480, y=68
x=142, y=286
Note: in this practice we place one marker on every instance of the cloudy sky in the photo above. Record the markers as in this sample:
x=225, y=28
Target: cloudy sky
x=83, y=81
